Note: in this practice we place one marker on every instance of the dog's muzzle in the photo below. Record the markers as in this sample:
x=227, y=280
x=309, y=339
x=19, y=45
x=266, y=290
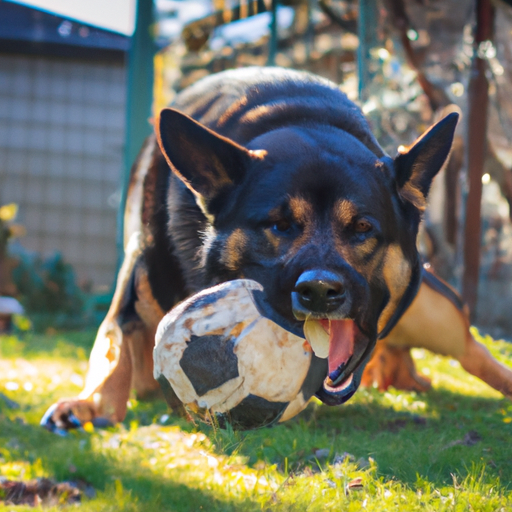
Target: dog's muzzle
x=324, y=300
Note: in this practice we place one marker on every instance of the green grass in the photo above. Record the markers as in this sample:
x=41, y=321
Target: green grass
x=446, y=450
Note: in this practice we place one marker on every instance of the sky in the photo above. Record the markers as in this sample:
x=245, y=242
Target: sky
x=115, y=15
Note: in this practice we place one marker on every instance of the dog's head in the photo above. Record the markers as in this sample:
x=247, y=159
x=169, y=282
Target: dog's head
x=325, y=225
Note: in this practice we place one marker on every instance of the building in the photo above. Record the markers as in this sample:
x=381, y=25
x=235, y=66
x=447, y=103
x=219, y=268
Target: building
x=62, y=131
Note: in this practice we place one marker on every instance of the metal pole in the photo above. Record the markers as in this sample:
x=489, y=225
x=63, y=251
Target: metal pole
x=367, y=32
x=272, y=44
x=139, y=101
x=476, y=147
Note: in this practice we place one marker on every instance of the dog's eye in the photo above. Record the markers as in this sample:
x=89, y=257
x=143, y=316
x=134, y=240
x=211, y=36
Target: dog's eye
x=281, y=226
x=362, y=226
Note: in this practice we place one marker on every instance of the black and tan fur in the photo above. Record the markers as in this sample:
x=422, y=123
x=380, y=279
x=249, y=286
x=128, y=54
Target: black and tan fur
x=265, y=174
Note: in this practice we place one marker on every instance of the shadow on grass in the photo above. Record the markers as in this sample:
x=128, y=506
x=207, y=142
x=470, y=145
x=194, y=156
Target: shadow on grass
x=73, y=458
x=433, y=435
x=447, y=434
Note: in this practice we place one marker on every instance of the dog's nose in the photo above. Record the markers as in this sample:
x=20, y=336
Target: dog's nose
x=320, y=291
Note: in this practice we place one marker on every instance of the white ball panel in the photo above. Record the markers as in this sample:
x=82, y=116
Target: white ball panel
x=231, y=400
x=272, y=361
x=216, y=398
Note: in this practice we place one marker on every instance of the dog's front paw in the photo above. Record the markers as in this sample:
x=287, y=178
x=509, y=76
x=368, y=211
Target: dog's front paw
x=72, y=414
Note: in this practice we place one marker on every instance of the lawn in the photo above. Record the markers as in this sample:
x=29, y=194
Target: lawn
x=448, y=449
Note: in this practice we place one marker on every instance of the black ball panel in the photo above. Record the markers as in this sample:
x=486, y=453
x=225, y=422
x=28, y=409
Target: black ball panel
x=251, y=413
x=209, y=362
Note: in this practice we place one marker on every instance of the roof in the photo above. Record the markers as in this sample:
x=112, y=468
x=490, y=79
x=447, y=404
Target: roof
x=27, y=30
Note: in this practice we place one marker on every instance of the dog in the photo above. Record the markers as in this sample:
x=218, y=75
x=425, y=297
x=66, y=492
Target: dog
x=271, y=175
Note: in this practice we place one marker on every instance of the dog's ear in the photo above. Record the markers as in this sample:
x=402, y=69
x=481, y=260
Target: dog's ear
x=204, y=160
x=415, y=169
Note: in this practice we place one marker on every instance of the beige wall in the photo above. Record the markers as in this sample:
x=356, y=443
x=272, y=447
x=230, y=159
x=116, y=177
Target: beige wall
x=61, y=156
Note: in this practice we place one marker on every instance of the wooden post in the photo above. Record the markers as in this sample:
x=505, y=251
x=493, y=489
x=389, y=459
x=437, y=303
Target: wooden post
x=478, y=99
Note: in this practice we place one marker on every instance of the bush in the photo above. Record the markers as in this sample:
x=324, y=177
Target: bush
x=49, y=292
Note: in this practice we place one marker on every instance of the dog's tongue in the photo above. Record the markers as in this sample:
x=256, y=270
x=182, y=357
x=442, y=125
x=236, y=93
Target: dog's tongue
x=331, y=338
x=341, y=342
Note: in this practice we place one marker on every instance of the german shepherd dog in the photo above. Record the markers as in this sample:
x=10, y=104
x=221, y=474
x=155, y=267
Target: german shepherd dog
x=271, y=175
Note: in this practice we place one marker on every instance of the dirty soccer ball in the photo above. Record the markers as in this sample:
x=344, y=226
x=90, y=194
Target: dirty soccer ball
x=230, y=363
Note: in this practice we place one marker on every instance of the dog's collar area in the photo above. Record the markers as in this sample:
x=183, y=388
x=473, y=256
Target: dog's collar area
x=405, y=302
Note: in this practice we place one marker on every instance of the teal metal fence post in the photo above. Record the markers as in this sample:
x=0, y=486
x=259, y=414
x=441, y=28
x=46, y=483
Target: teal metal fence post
x=367, y=32
x=139, y=100
x=272, y=44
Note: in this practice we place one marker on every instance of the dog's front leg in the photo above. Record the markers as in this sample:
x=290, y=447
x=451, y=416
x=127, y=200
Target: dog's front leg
x=437, y=321
x=478, y=361
x=107, y=387
x=393, y=366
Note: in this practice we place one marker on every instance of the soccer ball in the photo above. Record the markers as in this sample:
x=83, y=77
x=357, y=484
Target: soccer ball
x=230, y=363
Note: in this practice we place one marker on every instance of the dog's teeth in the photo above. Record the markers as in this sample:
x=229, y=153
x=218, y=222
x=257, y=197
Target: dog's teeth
x=317, y=337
